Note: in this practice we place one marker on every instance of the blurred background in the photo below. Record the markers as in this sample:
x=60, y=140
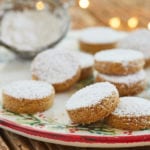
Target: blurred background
x=118, y=14
x=42, y=24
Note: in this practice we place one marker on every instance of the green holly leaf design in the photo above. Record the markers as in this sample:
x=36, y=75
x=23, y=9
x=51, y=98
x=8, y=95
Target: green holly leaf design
x=95, y=128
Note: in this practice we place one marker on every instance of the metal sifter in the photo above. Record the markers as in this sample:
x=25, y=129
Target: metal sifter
x=28, y=27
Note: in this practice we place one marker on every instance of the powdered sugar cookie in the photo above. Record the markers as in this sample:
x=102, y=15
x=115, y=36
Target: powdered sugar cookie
x=28, y=96
x=86, y=62
x=57, y=67
x=132, y=113
x=92, y=103
x=94, y=39
x=119, y=61
x=127, y=85
x=138, y=40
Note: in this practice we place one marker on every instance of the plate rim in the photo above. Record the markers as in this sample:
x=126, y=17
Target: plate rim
x=77, y=138
x=77, y=144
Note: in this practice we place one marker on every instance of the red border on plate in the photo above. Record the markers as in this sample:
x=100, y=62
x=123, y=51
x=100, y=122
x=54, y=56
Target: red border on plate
x=75, y=138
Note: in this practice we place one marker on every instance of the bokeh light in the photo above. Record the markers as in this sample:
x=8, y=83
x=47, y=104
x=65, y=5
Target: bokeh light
x=40, y=5
x=148, y=25
x=84, y=3
x=133, y=22
x=115, y=22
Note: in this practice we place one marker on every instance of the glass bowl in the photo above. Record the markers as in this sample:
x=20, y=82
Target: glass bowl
x=26, y=36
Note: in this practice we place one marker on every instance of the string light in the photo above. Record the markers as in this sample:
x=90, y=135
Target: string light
x=84, y=3
x=148, y=26
x=133, y=22
x=115, y=22
x=40, y=5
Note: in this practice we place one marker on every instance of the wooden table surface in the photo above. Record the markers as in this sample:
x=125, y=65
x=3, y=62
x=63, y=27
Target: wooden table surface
x=97, y=14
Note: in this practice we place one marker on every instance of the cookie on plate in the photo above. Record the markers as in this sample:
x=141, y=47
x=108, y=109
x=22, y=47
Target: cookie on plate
x=28, y=96
x=57, y=67
x=138, y=40
x=94, y=39
x=127, y=85
x=92, y=103
x=119, y=61
x=86, y=62
x=132, y=113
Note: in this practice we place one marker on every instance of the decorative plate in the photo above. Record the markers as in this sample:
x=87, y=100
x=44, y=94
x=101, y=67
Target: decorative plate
x=54, y=125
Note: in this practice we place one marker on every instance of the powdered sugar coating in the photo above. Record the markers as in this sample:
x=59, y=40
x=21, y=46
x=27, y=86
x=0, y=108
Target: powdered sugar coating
x=119, y=55
x=85, y=60
x=28, y=89
x=101, y=35
x=55, y=66
x=138, y=40
x=127, y=79
x=90, y=95
x=30, y=30
x=133, y=107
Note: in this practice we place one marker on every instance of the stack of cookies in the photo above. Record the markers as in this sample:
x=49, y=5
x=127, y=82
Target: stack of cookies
x=123, y=68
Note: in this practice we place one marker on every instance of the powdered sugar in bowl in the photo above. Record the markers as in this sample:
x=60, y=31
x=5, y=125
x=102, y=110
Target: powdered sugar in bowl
x=31, y=26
